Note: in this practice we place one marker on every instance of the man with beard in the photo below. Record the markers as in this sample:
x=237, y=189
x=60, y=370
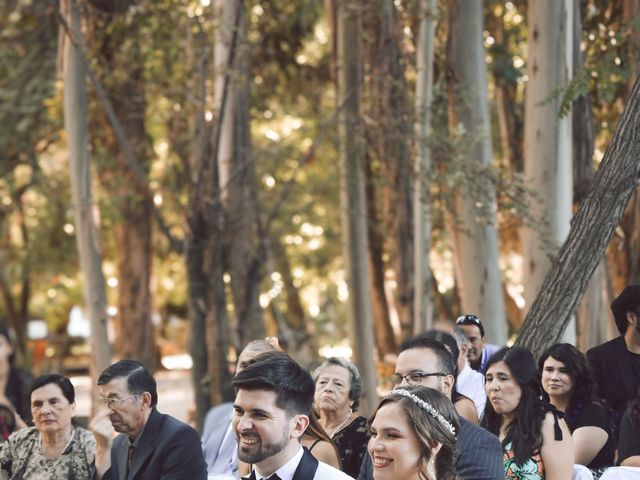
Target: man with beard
x=616, y=363
x=271, y=412
x=151, y=445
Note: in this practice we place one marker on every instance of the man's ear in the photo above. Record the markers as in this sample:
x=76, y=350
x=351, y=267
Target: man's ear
x=447, y=384
x=298, y=424
x=146, y=399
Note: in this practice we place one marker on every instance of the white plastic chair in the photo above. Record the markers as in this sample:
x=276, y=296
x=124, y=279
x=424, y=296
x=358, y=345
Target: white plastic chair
x=621, y=473
x=580, y=472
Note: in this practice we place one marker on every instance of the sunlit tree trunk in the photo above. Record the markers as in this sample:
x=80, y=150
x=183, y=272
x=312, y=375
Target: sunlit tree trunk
x=475, y=242
x=547, y=141
x=422, y=306
x=237, y=181
x=77, y=131
x=352, y=193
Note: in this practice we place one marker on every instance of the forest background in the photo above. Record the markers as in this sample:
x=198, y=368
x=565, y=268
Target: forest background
x=341, y=173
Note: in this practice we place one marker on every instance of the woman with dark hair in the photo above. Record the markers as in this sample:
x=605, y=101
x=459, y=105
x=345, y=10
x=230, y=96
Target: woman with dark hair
x=319, y=444
x=536, y=443
x=413, y=436
x=54, y=447
x=567, y=381
x=336, y=400
x=629, y=440
x=14, y=384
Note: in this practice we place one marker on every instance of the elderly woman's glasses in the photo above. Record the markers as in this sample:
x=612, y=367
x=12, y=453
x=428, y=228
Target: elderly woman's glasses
x=114, y=403
x=415, y=378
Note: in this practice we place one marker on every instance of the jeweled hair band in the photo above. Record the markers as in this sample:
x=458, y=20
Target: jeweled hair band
x=426, y=406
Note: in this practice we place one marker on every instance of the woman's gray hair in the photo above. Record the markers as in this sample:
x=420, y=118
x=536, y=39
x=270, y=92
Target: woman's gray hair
x=355, y=380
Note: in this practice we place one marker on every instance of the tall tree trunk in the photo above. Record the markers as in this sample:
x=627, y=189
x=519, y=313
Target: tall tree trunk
x=237, y=180
x=134, y=330
x=390, y=106
x=475, y=244
x=77, y=130
x=204, y=259
x=422, y=306
x=352, y=194
x=547, y=141
x=384, y=335
x=591, y=329
x=591, y=229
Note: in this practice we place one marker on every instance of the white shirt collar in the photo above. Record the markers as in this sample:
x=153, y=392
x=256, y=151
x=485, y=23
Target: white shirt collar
x=286, y=471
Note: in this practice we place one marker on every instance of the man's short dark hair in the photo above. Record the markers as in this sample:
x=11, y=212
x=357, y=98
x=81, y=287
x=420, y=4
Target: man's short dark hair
x=445, y=359
x=449, y=341
x=277, y=372
x=63, y=383
x=139, y=379
x=627, y=301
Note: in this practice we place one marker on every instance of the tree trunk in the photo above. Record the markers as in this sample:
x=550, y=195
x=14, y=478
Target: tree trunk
x=475, y=244
x=352, y=194
x=390, y=107
x=384, y=335
x=76, y=127
x=591, y=228
x=547, y=140
x=237, y=180
x=134, y=331
x=592, y=310
x=422, y=306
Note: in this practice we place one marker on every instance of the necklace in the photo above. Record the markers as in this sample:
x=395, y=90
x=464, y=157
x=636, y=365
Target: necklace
x=342, y=424
x=61, y=451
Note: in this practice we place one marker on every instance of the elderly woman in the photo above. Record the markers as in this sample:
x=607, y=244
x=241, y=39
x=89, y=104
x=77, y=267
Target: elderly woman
x=53, y=448
x=338, y=391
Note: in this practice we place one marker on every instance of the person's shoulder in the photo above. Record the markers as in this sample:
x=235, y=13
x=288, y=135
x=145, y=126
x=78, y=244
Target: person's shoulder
x=476, y=434
x=85, y=436
x=605, y=347
x=327, y=472
x=23, y=434
x=174, y=424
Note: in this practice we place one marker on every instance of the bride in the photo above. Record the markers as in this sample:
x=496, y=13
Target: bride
x=413, y=436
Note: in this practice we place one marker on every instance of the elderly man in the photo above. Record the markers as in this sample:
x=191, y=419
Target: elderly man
x=151, y=445
x=427, y=362
x=272, y=407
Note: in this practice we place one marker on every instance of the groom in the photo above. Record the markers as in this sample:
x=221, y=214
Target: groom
x=271, y=412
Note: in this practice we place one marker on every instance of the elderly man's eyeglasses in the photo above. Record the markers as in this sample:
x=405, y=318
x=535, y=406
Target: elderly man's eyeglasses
x=415, y=378
x=113, y=403
x=468, y=320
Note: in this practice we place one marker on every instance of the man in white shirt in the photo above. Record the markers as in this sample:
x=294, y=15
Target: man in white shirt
x=271, y=412
x=469, y=382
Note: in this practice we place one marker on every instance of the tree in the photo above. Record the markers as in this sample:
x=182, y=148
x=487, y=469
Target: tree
x=591, y=229
x=352, y=194
x=473, y=229
x=547, y=139
x=76, y=126
x=119, y=44
x=422, y=308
